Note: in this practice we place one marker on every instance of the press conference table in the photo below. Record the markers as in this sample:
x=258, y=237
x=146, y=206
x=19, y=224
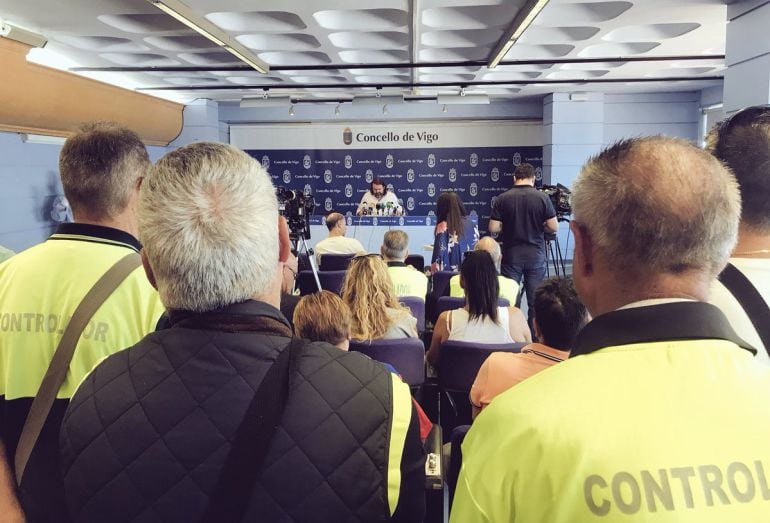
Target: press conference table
x=369, y=230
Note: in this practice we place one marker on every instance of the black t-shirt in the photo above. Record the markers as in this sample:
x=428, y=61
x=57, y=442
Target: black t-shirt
x=522, y=211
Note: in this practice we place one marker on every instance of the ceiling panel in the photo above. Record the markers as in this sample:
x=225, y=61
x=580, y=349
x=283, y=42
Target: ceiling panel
x=342, y=42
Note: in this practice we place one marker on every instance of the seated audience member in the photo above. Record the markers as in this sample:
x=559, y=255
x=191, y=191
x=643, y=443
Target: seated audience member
x=368, y=291
x=559, y=316
x=509, y=289
x=743, y=144
x=168, y=413
x=407, y=281
x=337, y=242
x=660, y=413
x=481, y=320
x=323, y=316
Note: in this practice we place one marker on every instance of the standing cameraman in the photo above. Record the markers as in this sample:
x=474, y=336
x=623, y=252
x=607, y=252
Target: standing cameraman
x=524, y=214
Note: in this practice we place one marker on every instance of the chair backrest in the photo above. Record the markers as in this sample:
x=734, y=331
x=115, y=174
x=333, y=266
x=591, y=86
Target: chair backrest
x=406, y=355
x=417, y=261
x=335, y=262
x=440, y=283
x=448, y=303
x=439, y=286
x=461, y=360
x=332, y=280
x=417, y=306
x=306, y=283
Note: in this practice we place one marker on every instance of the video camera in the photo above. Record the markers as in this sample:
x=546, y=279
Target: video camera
x=560, y=198
x=296, y=207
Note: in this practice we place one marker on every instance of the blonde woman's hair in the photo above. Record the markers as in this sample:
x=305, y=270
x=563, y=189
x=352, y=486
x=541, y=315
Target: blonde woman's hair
x=368, y=291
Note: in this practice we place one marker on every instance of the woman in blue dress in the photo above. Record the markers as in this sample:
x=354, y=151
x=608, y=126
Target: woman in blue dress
x=455, y=233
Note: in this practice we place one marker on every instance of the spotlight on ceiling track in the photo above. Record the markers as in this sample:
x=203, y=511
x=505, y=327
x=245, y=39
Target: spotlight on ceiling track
x=385, y=109
x=526, y=15
x=202, y=26
x=337, y=110
x=291, y=110
x=444, y=109
x=265, y=101
x=13, y=32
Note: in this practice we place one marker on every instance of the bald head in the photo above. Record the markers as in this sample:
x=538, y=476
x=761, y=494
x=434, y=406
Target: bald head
x=658, y=205
x=490, y=245
x=333, y=220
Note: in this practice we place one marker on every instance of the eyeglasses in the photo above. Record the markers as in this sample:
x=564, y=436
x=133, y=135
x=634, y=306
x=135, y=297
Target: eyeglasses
x=743, y=117
x=363, y=256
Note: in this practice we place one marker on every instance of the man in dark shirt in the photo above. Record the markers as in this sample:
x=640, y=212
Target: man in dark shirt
x=523, y=214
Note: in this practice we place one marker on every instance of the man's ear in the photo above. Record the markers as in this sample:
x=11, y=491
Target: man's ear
x=583, y=256
x=382, y=251
x=284, y=244
x=148, y=270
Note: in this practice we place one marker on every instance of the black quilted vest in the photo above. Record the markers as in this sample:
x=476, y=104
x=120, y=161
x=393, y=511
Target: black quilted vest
x=147, y=432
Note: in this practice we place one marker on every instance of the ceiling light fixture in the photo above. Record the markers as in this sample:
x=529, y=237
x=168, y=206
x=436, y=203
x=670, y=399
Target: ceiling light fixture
x=291, y=110
x=385, y=109
x=521, y=21
x=444, y=109
x=24, y=36
x=337, y=110
x=199, y=24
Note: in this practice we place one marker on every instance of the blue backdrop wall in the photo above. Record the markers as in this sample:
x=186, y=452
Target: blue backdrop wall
x=415, y=161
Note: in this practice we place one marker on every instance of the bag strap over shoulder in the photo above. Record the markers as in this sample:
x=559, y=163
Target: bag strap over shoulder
x=243, y=464
x=59, y=366
x=749, y=298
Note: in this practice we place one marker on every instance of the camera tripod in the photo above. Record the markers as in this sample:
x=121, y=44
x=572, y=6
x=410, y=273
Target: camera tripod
x=300, y=244
x=553, y=253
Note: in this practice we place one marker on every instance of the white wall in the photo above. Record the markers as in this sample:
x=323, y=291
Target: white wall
x=670, y=114
x=29, y=177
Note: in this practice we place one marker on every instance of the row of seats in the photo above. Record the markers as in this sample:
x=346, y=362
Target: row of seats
x=340, y=262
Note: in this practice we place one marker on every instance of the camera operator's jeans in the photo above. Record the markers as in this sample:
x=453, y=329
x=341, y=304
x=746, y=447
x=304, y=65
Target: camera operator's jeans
x=533, y=272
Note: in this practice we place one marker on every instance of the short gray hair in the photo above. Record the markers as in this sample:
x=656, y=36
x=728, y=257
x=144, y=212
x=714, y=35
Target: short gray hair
x=658, y=204
x=490, y=245
x=395, y=244
x=99, y=166
x=208, y=221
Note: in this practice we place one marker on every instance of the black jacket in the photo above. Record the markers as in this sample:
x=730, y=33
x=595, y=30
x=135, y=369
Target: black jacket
x=146, y=434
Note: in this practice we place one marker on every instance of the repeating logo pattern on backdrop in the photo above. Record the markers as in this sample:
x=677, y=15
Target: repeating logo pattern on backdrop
x=417, y=175
x=266, y=162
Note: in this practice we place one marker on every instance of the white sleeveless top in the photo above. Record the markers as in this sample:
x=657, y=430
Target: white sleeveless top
x=479, y=330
